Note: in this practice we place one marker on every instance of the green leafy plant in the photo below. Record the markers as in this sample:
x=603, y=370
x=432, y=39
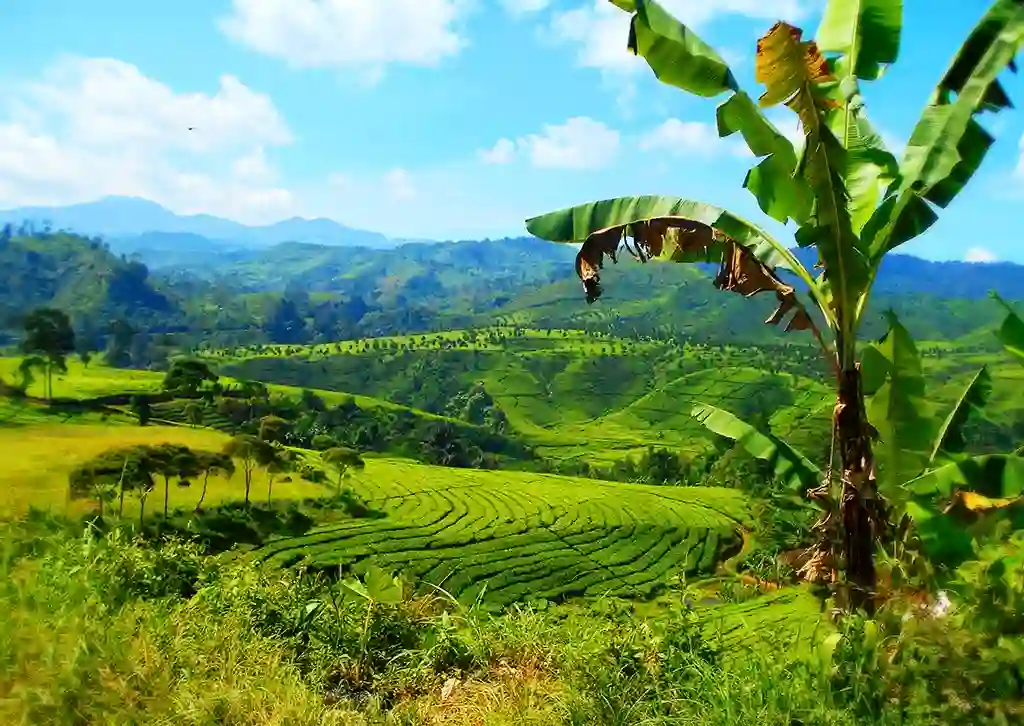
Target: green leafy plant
x=848, y=197
x=375, y=589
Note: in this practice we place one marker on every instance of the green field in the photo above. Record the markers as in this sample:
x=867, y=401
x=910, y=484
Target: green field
x=40, y=456
x=83, y=381
x=511, y=536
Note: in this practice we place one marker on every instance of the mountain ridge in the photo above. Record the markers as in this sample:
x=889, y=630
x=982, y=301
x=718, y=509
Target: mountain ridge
x=123, y=221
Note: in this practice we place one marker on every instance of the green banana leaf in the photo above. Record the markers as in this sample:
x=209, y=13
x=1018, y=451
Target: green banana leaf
x=790, y=467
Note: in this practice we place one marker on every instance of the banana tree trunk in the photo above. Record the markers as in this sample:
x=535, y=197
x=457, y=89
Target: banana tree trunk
x=861, y=511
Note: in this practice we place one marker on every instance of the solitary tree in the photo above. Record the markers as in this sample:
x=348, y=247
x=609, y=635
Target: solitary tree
x=274, y=429
x=215, y=463
x=193, y=414
x=251, y=451
x=173, y=461
x=49, y=338
x=140, y=405
x=273, y=462
x=85, y=482
x=343, y=458
x=849, y=198
x=186, y=376
x=121, y=335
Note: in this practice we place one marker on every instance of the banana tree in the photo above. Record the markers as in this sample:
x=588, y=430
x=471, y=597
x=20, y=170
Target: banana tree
x=949, y=500
x=845, y=193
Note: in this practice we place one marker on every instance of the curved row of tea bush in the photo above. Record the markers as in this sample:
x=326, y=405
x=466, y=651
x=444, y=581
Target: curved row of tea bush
x=510, y=536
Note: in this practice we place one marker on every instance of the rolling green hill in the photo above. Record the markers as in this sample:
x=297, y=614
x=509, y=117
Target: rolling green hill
x=600, y=398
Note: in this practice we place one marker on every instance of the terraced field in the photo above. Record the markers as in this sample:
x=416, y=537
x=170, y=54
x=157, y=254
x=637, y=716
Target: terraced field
x=506, y=536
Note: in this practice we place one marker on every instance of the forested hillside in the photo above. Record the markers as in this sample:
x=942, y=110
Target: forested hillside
x=301, y=293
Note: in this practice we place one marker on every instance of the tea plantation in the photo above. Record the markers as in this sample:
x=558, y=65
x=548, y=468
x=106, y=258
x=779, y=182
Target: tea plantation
x=507, y=536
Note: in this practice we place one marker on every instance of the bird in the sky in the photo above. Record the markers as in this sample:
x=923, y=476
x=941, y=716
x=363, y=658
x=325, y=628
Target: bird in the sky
x=191, y=128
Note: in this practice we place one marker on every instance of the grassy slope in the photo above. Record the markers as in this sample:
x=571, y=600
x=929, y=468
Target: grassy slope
x=83, y=382
x=86, y=381
x=41, y=455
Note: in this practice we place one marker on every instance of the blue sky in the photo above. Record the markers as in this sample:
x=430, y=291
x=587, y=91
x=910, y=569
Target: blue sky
x=422, y=118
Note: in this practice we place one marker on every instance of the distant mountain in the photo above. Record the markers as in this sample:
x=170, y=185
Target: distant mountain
x=909, y=275
x=125, y=221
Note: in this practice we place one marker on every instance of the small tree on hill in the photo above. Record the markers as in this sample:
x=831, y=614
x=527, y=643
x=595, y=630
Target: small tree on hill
x=173, y=460
x=49, y=338
x=213, y=463
x=273, y=462
x=251, y=451
x=186, y=376
x=322, y=442
x=343, y=458
x=274, y=429
x=141, y=409
x=193, y=414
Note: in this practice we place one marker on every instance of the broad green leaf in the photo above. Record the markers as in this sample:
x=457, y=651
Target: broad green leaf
x=1011, y=332
x=795, y=73
x=382, y=587
x=790, y=466
x=950, y=439
x=675, y=53
x=943, y=539
x=679, y=230
x=869, y=167
x=900, y=412
x=779, y=192
x=874, y=369
x=997, y=476
x=866, y=32
x=948, y=144
x=355, y=587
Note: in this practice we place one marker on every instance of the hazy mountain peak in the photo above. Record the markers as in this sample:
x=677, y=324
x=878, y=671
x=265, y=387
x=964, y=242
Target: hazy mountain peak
x=124, y=219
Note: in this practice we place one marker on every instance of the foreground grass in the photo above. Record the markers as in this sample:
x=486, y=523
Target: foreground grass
x=107, y=629
x=110, y=631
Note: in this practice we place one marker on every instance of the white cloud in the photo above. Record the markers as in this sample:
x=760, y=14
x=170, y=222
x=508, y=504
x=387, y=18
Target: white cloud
x=599, y=30
x=367, y=34
x=579, y=143
x=94, y=127
x=979, y=254
x=501, y=153
x=400, y=185
x=690, y=138
x=517, y=8
x=1019, y=171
